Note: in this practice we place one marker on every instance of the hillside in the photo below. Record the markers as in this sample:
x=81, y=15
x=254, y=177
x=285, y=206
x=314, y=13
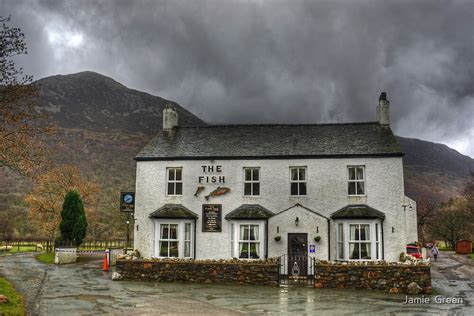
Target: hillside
x=433, y=170
x=88, y=100
x=103, y=125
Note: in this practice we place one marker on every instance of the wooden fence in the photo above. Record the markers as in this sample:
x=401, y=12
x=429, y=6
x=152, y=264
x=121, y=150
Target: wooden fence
x=20, y=243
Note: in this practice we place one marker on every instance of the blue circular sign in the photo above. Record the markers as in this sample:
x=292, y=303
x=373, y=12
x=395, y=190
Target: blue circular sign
x=128, y=198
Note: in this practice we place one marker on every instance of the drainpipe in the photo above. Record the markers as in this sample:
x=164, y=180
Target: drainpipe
x=266, y=238
x=195, y=230
x=329, y=239
x=383, y=242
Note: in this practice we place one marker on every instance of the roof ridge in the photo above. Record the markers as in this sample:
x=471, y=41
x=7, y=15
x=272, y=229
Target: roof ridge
x=282, y=124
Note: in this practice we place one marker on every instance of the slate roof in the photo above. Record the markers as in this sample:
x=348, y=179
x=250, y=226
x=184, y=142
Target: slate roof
x=272, y=141
x=357, y=211
x=173, y=211
x=249, y=211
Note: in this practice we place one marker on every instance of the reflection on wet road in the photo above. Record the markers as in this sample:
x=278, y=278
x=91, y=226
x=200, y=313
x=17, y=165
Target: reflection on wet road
x=83, y=288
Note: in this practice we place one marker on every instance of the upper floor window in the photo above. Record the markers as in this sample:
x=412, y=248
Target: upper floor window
x=251, y=181
x=298, y=180
x=175, y=181
x=356, y=184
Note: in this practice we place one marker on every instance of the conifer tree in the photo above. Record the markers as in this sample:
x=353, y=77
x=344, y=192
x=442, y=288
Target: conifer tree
x=73, y=219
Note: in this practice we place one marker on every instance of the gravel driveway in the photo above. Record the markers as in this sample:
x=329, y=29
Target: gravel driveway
x=83, y=289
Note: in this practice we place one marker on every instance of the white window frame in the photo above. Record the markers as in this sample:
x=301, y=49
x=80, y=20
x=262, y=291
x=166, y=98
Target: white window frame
x=349, y=180
x=252, y=182
x=339, y=241
x=376, y=244
x=359, y=242
x=180, y=235
x=235, y=238
x=168, y=181
x=298, y=181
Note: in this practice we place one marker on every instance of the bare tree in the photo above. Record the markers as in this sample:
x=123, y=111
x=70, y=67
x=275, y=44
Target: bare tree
x=21, y=146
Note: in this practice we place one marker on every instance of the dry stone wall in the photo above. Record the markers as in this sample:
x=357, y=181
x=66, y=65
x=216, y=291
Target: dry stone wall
x=393, y=278
x=200, y=272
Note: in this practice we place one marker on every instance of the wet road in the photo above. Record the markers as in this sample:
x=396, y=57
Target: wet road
x=83, y=289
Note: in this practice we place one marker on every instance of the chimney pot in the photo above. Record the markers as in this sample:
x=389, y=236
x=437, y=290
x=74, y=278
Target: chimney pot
x=170, y=118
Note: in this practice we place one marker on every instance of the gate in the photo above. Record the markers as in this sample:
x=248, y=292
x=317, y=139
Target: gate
x=296, y=270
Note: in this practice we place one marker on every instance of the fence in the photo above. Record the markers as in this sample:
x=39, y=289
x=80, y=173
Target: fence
x=33, y=244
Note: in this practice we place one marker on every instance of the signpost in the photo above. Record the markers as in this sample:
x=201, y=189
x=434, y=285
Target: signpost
x=127, y=201
x=212, y=218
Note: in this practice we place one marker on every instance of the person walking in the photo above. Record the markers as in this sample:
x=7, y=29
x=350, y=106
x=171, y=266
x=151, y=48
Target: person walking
x=435, y=252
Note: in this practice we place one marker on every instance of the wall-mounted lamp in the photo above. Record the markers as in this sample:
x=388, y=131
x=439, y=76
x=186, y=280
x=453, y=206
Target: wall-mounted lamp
x=317, y=229
x=278, y=229
x=297, y=220
x=393, y=229
x=410, y=208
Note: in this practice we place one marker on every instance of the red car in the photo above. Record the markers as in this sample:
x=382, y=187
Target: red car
x=414, y=251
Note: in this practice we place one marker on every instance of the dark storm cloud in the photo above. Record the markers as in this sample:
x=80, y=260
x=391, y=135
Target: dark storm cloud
x=273, y=61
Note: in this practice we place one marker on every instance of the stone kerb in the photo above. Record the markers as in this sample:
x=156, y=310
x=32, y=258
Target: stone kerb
x=65, y=255
x=261, y=273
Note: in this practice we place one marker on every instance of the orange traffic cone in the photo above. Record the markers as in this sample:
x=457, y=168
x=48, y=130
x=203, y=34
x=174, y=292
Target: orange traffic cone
x=106, y=262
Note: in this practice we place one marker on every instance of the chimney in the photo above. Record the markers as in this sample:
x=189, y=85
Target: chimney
x=170, y=118
x=383, y=110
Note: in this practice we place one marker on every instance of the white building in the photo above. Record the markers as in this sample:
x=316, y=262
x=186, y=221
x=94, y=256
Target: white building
x=331, y=191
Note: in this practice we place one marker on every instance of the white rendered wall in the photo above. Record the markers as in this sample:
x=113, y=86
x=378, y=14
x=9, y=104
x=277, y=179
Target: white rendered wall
x=326, y=193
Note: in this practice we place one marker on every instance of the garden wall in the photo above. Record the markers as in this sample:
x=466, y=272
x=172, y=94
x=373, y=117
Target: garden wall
x=373, y=277
x=262, y=273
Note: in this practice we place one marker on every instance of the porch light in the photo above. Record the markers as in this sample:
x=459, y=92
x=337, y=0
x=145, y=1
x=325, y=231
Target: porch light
x=297, y=220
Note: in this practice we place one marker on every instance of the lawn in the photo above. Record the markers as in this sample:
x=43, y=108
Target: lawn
x=22, y=249
x=472, y=256
x=45, y=257
x=15, y=305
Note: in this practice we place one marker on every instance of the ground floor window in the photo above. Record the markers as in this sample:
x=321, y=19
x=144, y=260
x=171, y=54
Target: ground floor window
x=247, y=240
x=174, y=239
x=358, y=241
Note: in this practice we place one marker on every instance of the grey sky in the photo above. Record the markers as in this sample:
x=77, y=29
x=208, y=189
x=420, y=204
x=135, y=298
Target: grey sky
x=272, y=61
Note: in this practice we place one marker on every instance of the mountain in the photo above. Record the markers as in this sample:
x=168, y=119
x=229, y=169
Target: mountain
x=88, y=100
x=434, y=170
x=103, y=125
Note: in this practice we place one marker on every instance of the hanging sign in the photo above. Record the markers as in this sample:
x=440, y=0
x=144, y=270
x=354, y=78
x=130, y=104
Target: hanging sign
x=211, y=218
x=127, y=201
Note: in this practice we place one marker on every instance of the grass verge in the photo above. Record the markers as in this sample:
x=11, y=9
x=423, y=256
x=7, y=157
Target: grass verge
x=45, y=257
x=15, y=305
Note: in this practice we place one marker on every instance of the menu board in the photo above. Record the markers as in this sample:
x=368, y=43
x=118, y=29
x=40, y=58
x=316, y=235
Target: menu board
x=212, y=218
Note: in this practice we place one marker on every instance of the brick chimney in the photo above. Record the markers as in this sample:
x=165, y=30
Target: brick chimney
x=170, y=118
x=383, y=110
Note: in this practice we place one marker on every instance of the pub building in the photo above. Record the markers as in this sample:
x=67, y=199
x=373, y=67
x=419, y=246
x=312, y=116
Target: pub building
x=330, y=191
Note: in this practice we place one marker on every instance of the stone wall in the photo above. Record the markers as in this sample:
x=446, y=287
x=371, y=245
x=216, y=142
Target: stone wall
x=199, y=272
x=394, y=278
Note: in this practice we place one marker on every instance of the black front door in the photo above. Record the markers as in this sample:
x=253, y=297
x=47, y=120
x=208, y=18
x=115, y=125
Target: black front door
x=297, y=254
